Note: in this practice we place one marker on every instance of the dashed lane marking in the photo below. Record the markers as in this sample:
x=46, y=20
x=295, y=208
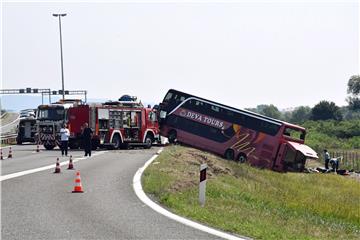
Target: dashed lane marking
x=26, y=172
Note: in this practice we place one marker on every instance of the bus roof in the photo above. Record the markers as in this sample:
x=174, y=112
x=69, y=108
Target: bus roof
x=235, y=109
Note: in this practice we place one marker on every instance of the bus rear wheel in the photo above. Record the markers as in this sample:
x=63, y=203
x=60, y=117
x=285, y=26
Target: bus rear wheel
x=242, y=158
x=172, y=136
x=229, y=154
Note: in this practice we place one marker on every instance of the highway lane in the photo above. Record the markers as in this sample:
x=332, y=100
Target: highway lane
x=9, y=122
x=25, y=157
x=41, y=205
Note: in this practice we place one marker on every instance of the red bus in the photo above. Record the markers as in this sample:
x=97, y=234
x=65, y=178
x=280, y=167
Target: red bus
x=115, y=124
x=236, y=134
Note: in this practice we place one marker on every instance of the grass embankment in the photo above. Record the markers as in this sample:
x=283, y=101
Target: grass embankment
x=261, y=204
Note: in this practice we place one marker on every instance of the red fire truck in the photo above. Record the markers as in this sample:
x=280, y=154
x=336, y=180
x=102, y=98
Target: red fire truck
x=115, y=124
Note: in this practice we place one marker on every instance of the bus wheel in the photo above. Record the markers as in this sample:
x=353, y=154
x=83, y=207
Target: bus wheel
x=148, y=141
x=242, y=158
x=116, y=141
x=229, y=154
x=172, y=136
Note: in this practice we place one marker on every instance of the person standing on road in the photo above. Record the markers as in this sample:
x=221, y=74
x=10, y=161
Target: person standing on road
x=64, y=134
x=87, y=135
x=326, y=158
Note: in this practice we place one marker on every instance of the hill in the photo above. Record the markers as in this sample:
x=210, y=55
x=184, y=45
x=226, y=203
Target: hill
x=258, y=203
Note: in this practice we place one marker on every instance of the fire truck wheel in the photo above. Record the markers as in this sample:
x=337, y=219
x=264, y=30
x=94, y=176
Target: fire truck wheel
x=116, y=141
x=172, y=136
x=242, y=158
x=229, y=154
x=49, y=147
x=148, y=141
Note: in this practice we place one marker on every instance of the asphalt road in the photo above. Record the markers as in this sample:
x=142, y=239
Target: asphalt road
x=42, y=206
x=9, y=123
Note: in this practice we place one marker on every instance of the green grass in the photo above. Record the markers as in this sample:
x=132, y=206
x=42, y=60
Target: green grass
x=257, y=203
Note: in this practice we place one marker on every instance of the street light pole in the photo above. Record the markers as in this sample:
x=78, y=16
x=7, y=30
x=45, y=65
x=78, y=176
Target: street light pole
x=61, y=52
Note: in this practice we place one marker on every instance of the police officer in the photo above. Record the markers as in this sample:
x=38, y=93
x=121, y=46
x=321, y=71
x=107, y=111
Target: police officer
x=87, y=135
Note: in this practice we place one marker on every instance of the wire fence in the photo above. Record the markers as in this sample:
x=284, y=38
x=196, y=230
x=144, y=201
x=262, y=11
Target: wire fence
x=349, y=160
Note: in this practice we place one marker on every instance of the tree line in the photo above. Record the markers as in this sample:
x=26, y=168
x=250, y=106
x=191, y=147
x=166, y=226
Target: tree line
x=328, y=125
x=324, y=110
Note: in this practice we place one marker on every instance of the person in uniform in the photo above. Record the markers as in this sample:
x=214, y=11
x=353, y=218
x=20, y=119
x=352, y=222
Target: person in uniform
x=87, y=135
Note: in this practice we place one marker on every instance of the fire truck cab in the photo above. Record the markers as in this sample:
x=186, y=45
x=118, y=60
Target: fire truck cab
x=50, y=119
x=115, y=124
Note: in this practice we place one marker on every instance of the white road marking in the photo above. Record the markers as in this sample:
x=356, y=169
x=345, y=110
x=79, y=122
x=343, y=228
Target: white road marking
x=142, y=196
x=26, y=172
x=8, y=124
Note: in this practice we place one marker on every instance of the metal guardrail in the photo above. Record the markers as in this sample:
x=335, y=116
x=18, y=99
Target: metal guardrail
x=8, y=138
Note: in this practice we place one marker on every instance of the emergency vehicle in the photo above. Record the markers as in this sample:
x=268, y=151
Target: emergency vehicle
x=26, y=130
x=50, y=119
x=115, y=125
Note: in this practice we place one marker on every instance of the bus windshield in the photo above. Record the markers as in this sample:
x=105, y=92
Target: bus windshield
x=51, y=113
x=297, y=134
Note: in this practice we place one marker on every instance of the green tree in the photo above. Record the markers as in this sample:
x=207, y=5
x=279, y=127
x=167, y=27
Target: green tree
x=301, y=114
x=267, y=110
x=325, y=110
x=354, y=91
x=354, y=85
x=271, y=111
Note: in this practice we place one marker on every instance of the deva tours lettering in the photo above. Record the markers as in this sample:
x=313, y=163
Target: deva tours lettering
x=203, y=119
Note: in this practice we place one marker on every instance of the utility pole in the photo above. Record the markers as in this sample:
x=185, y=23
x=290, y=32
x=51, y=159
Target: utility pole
x=59, y=15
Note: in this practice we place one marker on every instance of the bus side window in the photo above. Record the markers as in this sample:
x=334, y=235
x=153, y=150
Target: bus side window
x=168, y=96
x=215, y=108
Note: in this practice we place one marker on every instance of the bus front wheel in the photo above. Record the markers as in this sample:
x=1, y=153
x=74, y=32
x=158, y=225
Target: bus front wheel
x=172, y=136
x=242, y=158
x=229, y=154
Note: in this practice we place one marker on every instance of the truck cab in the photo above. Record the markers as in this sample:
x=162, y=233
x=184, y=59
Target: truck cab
x=26, y=130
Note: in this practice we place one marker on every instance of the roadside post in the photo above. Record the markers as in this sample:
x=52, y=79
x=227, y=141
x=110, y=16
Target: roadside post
x=202, y=184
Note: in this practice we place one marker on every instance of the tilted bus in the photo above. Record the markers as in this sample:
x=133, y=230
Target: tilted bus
x=236, y=134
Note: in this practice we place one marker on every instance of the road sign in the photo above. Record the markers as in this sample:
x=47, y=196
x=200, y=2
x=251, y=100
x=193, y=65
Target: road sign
x=202, y=184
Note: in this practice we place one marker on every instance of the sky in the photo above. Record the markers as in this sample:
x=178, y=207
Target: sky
x=239, y=53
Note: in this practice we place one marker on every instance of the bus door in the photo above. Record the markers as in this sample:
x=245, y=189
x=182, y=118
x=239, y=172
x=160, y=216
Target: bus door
x=279, y=162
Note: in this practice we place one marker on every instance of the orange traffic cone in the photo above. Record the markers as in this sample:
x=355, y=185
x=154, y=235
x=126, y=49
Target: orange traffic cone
x=10, y=153
x=78, y=187
x=57, y=168
x=71, y=166
x=37, y=148
x=1, y=156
